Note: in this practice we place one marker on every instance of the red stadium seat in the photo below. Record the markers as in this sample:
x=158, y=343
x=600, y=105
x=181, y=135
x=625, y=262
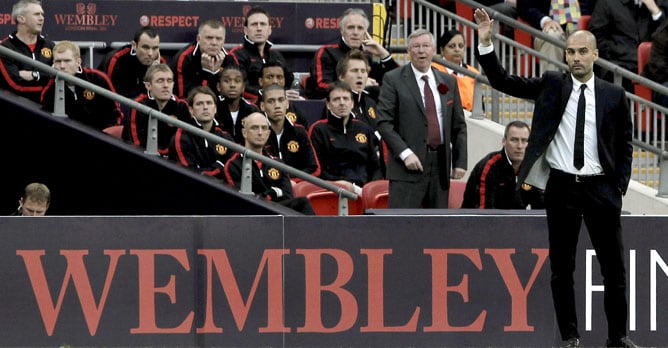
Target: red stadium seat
x=456, y=194
x=325, y=202
x=375, y=193
x=641, y=90
x=115, y=131
x=583, y=22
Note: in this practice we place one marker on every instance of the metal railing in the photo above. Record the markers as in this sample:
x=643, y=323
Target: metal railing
x=649, y=122
x=155, y=116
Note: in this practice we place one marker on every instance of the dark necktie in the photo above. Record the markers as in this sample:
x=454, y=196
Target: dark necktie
x=432, y=116
x=578, y=148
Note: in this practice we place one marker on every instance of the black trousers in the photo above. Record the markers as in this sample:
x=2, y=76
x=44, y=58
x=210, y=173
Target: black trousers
x=598, y=202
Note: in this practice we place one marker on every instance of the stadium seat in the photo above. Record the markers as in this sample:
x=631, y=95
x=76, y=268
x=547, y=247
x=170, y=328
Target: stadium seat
x=640, y=90
x=325, y=202
x=456, y=194
x=375, y=193
x=583, y=22
x=114, y=131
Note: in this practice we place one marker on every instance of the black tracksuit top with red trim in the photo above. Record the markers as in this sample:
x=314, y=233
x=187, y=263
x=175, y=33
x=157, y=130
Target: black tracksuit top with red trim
x=295, y=148
x=136, y=129
x=224, y=117
x=264, y=177
x=188, y=72
x=199, y=154
x=492, y=184
x=85, y=105
x=9, y=68
x=249, y=59
x=125, y=71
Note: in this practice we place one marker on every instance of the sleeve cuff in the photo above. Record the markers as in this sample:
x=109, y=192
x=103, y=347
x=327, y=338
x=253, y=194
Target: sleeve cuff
x=405, y=154
x=485, y=49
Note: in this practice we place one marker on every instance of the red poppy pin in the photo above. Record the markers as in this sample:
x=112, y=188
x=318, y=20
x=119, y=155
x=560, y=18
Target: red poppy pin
x=443, y=88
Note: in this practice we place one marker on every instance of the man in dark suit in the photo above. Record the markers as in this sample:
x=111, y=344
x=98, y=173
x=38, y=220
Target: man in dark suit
x=424, y=128
x=580, y=151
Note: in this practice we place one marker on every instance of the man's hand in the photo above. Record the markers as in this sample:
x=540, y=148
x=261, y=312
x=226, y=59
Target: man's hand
x=292, y=94
x=212, y=63
x=371, y=82
x=26, y=75
x=412, y=162
x=458, y=173
x=652, y=7
x=484, y=26
x=374, y=48
x=552, y=25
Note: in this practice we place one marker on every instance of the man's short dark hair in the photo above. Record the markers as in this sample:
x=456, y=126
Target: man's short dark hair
x=339, y=85
x=271, y=87
x=200, y=90
x=37, y=192
x=516, y=124
x=354, y=54
x=255, y=10
x=150, y=31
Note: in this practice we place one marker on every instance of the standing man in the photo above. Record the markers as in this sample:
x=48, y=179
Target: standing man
x=127, y=65
x=492, y=182
x=23, y=79
x=354, y=25
x=421, y=119
x=580, y=151
x=256, y=50
x=82, y=104
x=200, y=63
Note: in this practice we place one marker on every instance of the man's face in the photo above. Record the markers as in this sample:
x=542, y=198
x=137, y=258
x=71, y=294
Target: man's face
x=33, y=19
x=203, y=108
x=148, y=49
x=66, y=62
x=231, y=84
x=340, y=102
x=256, y=130
x=274, y=104
x=580, y=56
x=258, y=29
x=211, y=40
x=516, y=143
x=161, y=85
x=30, y=207
x=421, y=50
x=272, y=75
x=353, y=30
x=357, y=72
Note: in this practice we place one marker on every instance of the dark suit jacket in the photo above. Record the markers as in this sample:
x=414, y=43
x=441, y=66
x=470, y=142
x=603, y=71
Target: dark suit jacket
x=402, y=122
x=551, y=92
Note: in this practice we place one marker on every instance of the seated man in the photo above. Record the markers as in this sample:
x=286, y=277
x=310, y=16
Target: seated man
x=354, y=25
x=287, y=141
x=256, y=49
x=493, y=180
x=269, y=183
x=197, y=153
x=82, y=104
x=199, y=63
x=35, y=200
x=23, y=79
x=232, y=107
x=126, y=66
x=275, y=73
x=159, y=81
x=343, y=144
x=354, y=71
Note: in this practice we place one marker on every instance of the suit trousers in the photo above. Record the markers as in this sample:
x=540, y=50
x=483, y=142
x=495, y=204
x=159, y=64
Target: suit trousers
x=597, y=201
x=425, y=193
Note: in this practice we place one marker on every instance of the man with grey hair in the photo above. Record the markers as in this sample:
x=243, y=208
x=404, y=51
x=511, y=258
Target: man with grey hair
x=200, y=63
x=421, y=119
x=20, y=78
x=354, y=24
